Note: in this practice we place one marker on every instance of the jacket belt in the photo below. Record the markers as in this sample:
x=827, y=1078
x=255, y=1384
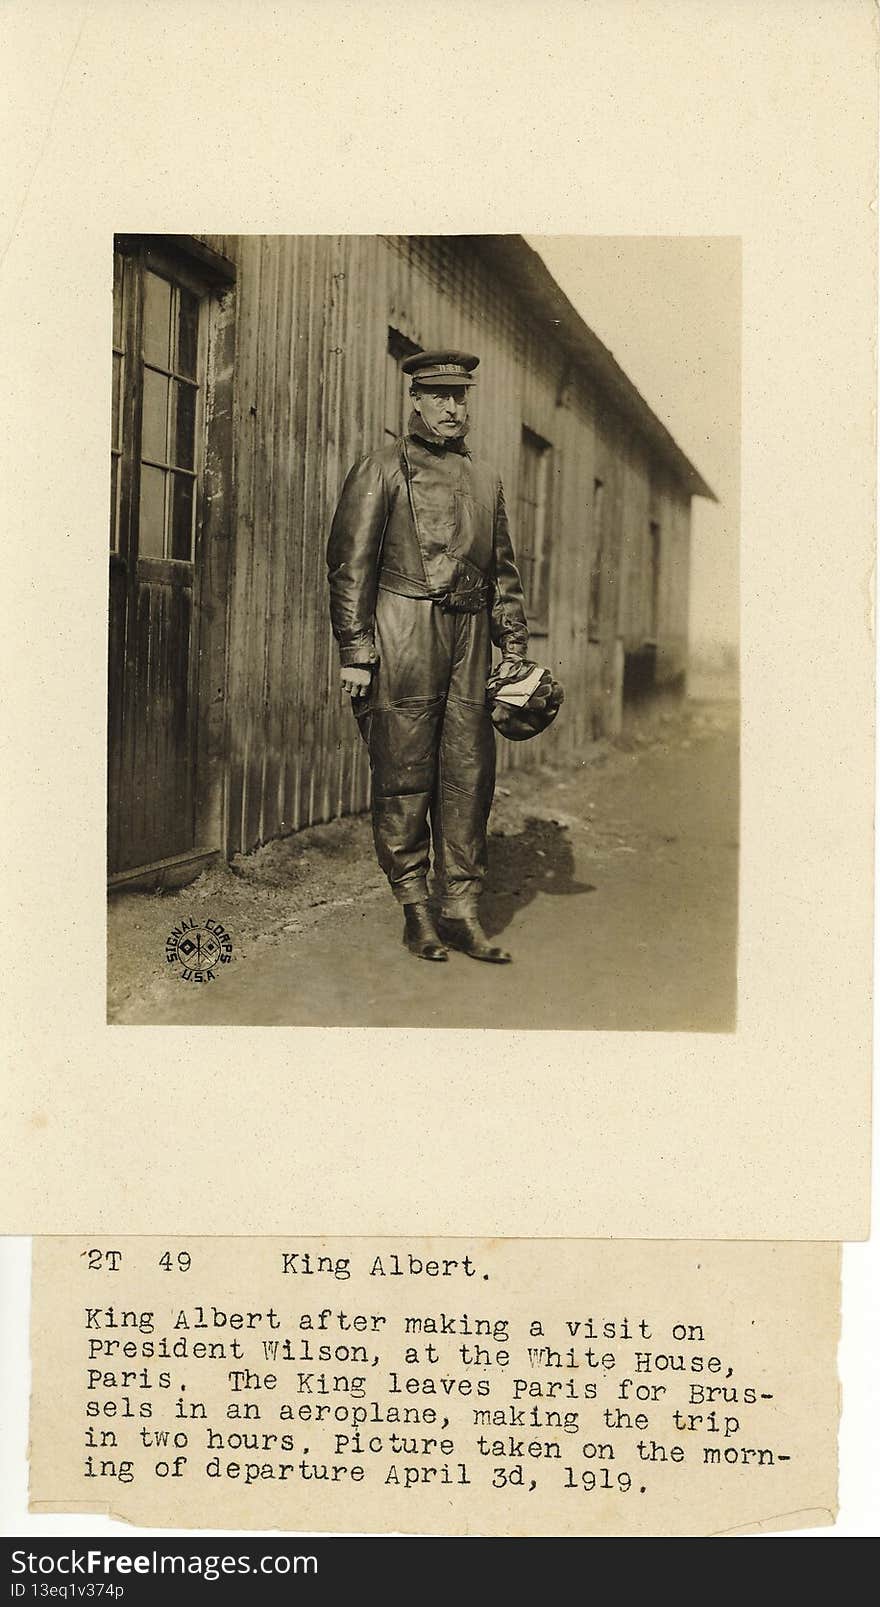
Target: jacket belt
x=472, y=601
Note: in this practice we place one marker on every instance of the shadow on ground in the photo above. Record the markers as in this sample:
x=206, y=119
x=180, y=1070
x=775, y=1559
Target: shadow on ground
x=538, y=859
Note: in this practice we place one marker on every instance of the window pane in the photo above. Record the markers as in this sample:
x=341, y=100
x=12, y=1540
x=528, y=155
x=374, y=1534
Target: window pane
x=157, y=320
x=151, y=533
x=181, y=516
x=183, y=425
x=154, y=434
x=115, y=433
x=187, y=332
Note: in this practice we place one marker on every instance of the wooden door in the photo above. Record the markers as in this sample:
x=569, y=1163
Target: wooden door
x=159, y=360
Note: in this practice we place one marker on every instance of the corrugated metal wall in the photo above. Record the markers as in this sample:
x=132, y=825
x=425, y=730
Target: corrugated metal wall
x=294, y=756
x=312, y=316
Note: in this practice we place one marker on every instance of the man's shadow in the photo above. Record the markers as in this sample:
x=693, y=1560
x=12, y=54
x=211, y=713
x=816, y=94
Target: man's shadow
x=539, y=859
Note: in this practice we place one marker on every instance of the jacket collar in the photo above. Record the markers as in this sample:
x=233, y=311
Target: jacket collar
x=417, y=427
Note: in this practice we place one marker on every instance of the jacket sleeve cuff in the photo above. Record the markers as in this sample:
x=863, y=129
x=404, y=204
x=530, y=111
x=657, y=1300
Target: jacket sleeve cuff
x=515, y=650
x=361, y=651
x=514, y=643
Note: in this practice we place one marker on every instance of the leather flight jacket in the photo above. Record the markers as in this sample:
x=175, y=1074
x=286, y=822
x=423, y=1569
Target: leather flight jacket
x=424, y=519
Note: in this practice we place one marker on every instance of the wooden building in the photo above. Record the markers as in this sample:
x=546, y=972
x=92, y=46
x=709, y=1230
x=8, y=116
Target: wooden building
x=249, y=372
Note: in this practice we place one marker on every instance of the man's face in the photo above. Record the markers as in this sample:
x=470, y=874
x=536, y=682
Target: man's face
x=444, y=408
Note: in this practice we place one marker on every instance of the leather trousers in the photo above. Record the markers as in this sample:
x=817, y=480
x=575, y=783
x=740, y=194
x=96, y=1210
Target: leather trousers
x=432, y=748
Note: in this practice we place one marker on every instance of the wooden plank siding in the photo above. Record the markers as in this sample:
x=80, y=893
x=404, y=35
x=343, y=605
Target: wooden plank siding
x=652, y=498
x=307, y=343
x=672, y=643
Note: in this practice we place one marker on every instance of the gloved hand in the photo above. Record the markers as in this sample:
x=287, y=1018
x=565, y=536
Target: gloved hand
x=356, y=680
x=523, y=698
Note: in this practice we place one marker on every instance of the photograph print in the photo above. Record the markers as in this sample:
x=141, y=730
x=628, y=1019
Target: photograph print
x=423, y=631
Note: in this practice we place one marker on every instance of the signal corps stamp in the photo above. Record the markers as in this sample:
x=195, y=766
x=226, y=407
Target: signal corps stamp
x=197, y=949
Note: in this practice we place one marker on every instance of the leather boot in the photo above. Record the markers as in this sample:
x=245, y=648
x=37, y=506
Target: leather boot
x=420, y=935
x=464, y=932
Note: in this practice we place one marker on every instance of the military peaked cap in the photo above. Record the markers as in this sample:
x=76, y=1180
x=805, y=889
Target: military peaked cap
x=442, y=368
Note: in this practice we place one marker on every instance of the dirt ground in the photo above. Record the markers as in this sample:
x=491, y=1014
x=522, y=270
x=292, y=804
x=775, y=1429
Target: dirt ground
x=614, y=883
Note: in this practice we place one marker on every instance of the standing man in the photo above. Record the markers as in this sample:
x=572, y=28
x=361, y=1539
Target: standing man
x=422, y=582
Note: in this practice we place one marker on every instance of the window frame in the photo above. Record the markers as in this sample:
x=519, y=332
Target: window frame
x=140, y=255
x=399, y=346
x=595, y=595
x=118, y=394
x=655, y=568
x=535, y=557
x=170, y=469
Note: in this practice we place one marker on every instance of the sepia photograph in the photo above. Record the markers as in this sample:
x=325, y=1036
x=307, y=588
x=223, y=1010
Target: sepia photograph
x=423, y=631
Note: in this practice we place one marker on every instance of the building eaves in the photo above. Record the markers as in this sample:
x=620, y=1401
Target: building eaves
x=516, y=262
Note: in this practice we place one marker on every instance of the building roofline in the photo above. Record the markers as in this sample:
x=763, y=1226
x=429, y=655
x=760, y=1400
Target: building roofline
x=528, y=275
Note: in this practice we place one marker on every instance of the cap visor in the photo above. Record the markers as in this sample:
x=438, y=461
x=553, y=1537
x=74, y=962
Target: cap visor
x=448, y=381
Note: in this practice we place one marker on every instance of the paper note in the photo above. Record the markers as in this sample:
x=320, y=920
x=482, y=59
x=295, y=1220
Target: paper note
x=496, y=1387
